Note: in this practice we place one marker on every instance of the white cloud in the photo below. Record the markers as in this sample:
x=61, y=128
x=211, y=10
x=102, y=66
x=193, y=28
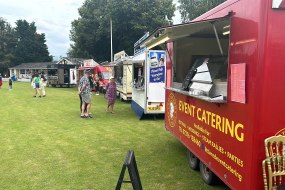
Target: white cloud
x=177, y=16
x=52, y=17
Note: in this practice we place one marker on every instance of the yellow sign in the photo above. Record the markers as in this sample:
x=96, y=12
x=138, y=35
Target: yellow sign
x=222, y=124
x=156, y=108
x=171, y=109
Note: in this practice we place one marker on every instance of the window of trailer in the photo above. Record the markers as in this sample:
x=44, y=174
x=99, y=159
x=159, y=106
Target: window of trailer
x=201, y=60
x=118, y=74
x=138, y=76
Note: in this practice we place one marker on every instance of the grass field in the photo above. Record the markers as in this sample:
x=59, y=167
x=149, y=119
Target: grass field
x=44, y=144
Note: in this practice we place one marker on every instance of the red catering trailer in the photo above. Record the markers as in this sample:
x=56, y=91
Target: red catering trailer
x=226, y=89
x=96, y=69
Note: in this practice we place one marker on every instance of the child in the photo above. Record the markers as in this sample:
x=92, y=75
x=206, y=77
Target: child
x=10, y=83
x=111, y=93
x=36, y=80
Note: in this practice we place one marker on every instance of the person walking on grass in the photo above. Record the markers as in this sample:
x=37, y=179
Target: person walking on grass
x=43, y=84
x=36, y=81
x=10, y=83
x=1, y=82
x=33, y=85
x=111, y=93
x=85, y=93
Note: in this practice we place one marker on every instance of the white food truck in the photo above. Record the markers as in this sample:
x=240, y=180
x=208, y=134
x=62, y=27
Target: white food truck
x=123, y=71
x=148, y=89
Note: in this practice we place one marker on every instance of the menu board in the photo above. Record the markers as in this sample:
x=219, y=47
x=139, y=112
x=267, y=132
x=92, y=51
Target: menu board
x=238, y=73
x=157, y=66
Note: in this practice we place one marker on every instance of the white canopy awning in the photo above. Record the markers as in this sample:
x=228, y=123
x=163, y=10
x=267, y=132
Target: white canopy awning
x=204, y=28
x=138, y=58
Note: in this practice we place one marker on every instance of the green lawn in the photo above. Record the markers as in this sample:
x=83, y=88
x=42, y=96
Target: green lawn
x=46, y=145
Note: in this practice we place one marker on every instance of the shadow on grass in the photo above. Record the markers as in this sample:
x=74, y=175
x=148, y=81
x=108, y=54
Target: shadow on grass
x=178, y=148
x=153, y=117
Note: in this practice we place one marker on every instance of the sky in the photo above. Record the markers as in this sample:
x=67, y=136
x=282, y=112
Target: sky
x=52, y=17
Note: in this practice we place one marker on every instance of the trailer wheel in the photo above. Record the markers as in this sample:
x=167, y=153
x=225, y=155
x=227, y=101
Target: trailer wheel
x=193, y=161
x=207, y=175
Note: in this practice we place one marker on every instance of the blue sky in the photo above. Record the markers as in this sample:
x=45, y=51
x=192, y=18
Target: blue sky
x=52, y=17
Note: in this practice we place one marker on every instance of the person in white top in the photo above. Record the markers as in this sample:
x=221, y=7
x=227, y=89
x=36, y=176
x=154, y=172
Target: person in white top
x=43, y=84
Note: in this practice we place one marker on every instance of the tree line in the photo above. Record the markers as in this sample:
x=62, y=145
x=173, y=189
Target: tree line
x=21, y=44
x=131, y=19
x=190, y=9
x=90, y=33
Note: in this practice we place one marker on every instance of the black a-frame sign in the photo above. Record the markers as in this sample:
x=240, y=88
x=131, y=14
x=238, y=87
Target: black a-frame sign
x=130, y=163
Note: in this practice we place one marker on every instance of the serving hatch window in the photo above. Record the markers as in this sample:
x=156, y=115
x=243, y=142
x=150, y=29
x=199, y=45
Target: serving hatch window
x=118, y=74
x=138, y=76
x=201, y=59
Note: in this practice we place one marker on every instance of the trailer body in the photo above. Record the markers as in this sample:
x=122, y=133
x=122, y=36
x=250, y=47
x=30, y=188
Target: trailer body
x=224, y=121
x=62, y=75
x=102, y=72
x=148, y=93
x=123, y=73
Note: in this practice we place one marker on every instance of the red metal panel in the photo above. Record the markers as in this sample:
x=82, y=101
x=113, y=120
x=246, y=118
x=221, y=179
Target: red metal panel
x=169, y=63
x=257, y=38
x=220, y=138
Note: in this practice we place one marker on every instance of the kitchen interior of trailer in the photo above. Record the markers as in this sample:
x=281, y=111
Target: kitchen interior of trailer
x=200, y=61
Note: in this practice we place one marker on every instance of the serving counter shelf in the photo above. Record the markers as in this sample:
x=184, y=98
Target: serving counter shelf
x=200, y=97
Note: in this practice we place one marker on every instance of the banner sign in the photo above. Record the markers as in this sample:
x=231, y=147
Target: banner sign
x=89, y=63
x=73, y=76
x=157, y=67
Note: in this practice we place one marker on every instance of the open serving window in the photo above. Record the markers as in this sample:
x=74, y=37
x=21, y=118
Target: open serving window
x=200, y=58
x=119, y=73
x=138, y=62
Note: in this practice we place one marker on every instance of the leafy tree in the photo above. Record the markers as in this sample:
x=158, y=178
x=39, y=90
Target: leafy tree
x=7, y=45
x=21, y=44
x=130, y=20
x=31, y=46
x=190, y=9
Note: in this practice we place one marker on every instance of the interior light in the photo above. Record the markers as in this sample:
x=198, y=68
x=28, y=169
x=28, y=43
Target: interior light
x=225, y=27
x=226, y=33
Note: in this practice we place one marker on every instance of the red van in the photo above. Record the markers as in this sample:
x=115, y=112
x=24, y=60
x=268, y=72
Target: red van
x=103, y=74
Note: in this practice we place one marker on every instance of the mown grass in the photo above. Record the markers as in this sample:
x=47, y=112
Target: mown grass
x=44, y=144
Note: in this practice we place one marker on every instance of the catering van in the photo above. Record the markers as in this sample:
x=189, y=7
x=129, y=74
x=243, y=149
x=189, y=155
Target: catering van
x=225, y=88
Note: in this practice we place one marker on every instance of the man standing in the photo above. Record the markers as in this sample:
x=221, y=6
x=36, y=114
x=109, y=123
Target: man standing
x=85, y=93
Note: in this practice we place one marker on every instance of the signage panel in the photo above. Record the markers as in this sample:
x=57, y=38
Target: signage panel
x=157, y=67
x=209, y=133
